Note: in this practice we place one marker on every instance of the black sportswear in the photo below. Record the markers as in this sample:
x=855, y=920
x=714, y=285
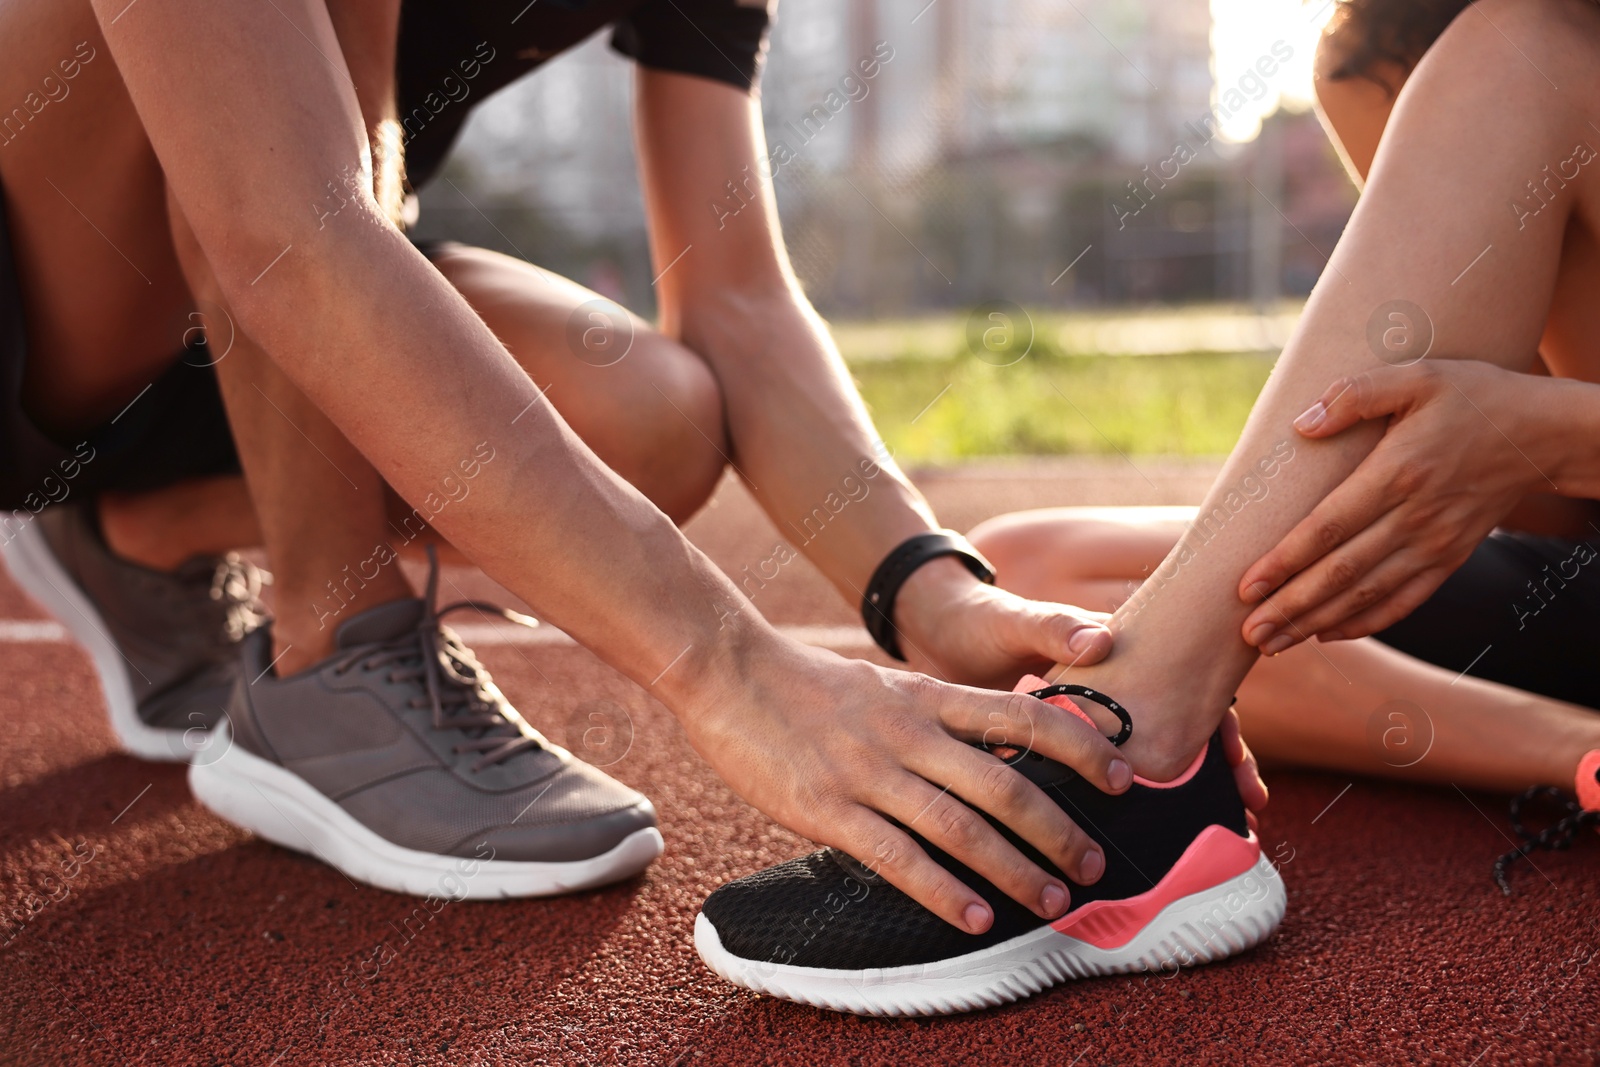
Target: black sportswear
x=454, y=53
x=1523, y=611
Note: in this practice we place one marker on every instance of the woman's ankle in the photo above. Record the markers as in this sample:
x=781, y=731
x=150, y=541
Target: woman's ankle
x=1173, y=719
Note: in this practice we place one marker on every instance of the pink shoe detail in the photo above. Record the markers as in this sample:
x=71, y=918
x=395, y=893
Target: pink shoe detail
x=1194, y=769
x=1032, y=683
x=1589, y=781
x=1214, y=857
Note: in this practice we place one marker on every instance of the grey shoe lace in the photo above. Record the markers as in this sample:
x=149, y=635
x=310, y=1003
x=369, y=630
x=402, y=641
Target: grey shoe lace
x=456, y=686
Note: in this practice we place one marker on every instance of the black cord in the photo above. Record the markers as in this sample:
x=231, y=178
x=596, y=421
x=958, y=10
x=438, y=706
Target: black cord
x=1556, y=837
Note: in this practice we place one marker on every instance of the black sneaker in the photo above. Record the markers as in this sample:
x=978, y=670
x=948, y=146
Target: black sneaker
x=1185, y=883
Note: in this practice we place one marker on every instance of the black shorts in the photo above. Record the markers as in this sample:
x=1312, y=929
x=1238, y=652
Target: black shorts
x=1523, y=611
x=453, y=54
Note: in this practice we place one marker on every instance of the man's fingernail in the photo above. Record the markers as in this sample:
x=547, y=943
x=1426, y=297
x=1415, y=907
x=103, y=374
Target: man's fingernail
x=1089, y=870
x=1277, y=644
x=976, y=917
x=1083, y=637
x=1119, y=774
x=1261, y=633
x=1053, y=901
x=1312, y=417
x=1257, y=591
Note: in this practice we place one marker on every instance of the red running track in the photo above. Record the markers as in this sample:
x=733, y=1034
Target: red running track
x=174, y=939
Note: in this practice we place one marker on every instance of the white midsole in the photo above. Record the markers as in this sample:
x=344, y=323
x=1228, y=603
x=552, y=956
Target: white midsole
x=284, y=808
x=42, y=577
x=1223, y=920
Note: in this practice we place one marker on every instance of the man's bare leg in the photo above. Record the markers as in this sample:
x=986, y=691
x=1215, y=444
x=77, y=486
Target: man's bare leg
x=654, y=415
x=1432, y=229
x=1311, y=707
x=321, y=507
x=330, y=524
x=164, y=527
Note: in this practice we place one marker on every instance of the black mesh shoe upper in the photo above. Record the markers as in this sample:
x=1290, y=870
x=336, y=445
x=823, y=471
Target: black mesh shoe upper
x=827, y=910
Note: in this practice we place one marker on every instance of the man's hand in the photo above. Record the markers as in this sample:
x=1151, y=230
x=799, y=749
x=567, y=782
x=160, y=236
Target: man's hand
x=1461, y=449
x=954, y=627
x=848, y=754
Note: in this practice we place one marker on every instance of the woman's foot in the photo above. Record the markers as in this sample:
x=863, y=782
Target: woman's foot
x=1186, y=883
x=1174, y=712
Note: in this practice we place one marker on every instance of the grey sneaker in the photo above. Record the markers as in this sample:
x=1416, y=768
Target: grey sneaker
x=165, y=646
x=398, y=761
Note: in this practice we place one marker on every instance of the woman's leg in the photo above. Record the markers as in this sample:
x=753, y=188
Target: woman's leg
x=1432, y=229
x=1355, y=706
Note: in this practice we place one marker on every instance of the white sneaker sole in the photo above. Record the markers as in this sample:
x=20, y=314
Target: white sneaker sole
x=36, y=569
x=280, y=806
x=1221, y=921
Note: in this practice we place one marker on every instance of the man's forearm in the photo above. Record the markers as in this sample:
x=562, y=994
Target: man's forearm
x=802, y=436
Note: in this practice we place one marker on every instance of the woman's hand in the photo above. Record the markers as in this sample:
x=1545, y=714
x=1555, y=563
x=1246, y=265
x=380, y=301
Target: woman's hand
x=955, y=627
x=1461, y=449
x=835, y=748
x=1246, y=774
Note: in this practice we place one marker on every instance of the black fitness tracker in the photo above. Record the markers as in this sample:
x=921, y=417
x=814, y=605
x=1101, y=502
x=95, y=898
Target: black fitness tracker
x=877, y=604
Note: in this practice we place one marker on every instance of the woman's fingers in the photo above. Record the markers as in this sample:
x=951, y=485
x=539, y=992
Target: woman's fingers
x=1402, y=602
x=1020, y=721
x=1347, y=581
x=1371, y=395
x=891, y=852
x=1381, y=481
x=992, y=785
x=1316, y=542
x=1373, y=590
x=1246, y=774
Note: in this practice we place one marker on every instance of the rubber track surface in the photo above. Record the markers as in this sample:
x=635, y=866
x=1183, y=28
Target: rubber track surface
x=185, y=942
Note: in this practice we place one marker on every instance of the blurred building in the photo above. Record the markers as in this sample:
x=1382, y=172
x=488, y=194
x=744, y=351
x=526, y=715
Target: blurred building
x=934, y=153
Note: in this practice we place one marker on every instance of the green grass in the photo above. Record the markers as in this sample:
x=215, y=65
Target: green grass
x=1049, y=402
